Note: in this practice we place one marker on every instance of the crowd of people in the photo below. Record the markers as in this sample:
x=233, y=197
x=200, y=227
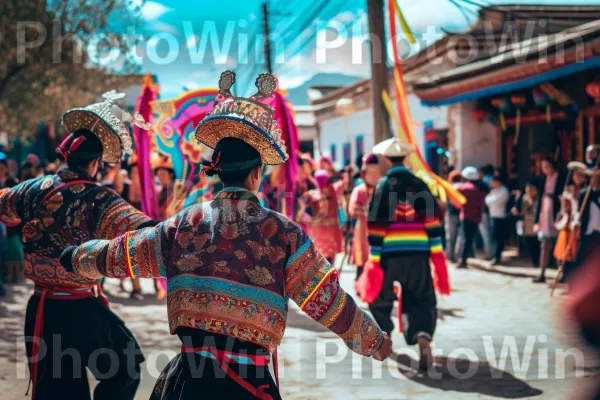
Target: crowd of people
x=546, y=217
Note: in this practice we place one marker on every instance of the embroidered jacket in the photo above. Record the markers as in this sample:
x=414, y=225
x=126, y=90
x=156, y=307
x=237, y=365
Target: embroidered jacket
x=231, y=266
x=57, y=211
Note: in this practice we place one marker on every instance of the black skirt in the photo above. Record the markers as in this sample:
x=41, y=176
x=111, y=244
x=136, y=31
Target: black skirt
x=192, y=376
x=80, y=334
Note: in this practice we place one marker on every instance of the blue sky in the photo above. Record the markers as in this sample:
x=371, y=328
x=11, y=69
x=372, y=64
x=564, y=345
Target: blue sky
x=174, y=28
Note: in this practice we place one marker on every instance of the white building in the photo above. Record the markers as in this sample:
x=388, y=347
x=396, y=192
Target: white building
x=345, y=124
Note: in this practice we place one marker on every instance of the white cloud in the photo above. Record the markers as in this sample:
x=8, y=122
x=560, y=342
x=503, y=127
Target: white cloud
x=162, y=27
x=152, y=10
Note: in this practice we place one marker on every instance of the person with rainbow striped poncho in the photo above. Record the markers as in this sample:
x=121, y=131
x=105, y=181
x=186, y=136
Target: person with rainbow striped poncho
x=404, y=232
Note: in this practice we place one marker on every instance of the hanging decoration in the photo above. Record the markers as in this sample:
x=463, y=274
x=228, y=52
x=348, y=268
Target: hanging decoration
x=501, y=103
x=405, y=28
x=519, y=102
x=562, y=98
x=593, y=90
x=541, y=99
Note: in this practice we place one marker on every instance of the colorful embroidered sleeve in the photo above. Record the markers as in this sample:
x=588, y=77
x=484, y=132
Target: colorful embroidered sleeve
x=11, y=203
x=114, y=216
x=312, y=283
x=139, y=254
x=8, y=211
x=379, y=219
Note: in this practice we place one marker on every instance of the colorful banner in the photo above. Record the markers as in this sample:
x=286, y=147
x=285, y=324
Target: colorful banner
x=402, y=119
x=175, y=136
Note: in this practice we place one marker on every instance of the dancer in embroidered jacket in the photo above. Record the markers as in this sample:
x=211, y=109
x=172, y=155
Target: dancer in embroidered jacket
x=232, y=265
x=54, y=212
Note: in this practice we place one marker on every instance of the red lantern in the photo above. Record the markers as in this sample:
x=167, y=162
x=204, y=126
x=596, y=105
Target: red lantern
x=478, y=114
x=518, y=100
x=593, y=90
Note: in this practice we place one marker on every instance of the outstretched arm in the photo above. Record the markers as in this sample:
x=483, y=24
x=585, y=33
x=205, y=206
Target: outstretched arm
x=140, y=254
x=312, y=283
x=11, y=203
x=113, y=216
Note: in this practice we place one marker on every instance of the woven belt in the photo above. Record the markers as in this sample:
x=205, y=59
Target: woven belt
x=224, y=358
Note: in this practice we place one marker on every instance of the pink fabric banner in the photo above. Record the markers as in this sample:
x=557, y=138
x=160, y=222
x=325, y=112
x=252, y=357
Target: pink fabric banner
x=143, y=148
x=289, y=133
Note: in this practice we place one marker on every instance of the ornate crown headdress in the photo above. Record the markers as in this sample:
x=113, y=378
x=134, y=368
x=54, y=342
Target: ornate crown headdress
x=107, y=121
x=248, y=119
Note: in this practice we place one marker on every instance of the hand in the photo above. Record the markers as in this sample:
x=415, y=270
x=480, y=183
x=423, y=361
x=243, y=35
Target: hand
x=66, y=258
x=514, y=211
x=385, y=350
x=536, y=228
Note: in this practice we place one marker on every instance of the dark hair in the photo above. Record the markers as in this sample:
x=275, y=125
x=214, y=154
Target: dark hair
x=397, y=160
x=233, y=160
x=488, y=169
x=78, y=153
x=498, y=178
x=552, y=162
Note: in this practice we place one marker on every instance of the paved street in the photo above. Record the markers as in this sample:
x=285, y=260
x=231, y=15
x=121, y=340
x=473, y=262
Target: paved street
x=489, y=315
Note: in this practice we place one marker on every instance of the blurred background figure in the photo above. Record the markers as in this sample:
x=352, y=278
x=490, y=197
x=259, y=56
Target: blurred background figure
x=497, y=201
x=319, y=212
x=472, y=213
x=452, y=220
x=359, y=209
x=548, y=208
x=524, y=211
x=565, y=250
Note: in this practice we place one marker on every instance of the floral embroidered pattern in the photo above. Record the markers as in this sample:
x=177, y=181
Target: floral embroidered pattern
x=260, y=276
x=232, y=271
x=65, y=218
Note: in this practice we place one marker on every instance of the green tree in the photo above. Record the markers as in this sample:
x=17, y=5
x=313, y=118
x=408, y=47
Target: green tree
x=45, y=62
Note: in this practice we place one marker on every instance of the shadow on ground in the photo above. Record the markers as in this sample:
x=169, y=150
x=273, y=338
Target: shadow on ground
x=478, y=377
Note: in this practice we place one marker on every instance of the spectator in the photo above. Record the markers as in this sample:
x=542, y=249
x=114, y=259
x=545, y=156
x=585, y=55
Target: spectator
x=486, y=173
x=496, y=201
x=452, y=220
x=547, y=211
x=525, y=209
x=319, y=211
x=472, y=212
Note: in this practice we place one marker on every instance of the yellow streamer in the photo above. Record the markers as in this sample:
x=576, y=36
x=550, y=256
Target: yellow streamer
x=405, y=28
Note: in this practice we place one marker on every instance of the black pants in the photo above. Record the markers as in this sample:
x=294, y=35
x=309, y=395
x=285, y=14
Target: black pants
x=533, y=247
x=419, y=311
x=500, y=232
x=469, y=229
x=192, y=376
x=79, y=334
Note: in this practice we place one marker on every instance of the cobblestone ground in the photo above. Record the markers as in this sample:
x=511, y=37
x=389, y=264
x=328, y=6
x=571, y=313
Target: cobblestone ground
x=503, y=333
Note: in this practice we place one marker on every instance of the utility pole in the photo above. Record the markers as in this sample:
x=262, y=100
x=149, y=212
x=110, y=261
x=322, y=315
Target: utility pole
x=265, y=8
x=379, y=75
